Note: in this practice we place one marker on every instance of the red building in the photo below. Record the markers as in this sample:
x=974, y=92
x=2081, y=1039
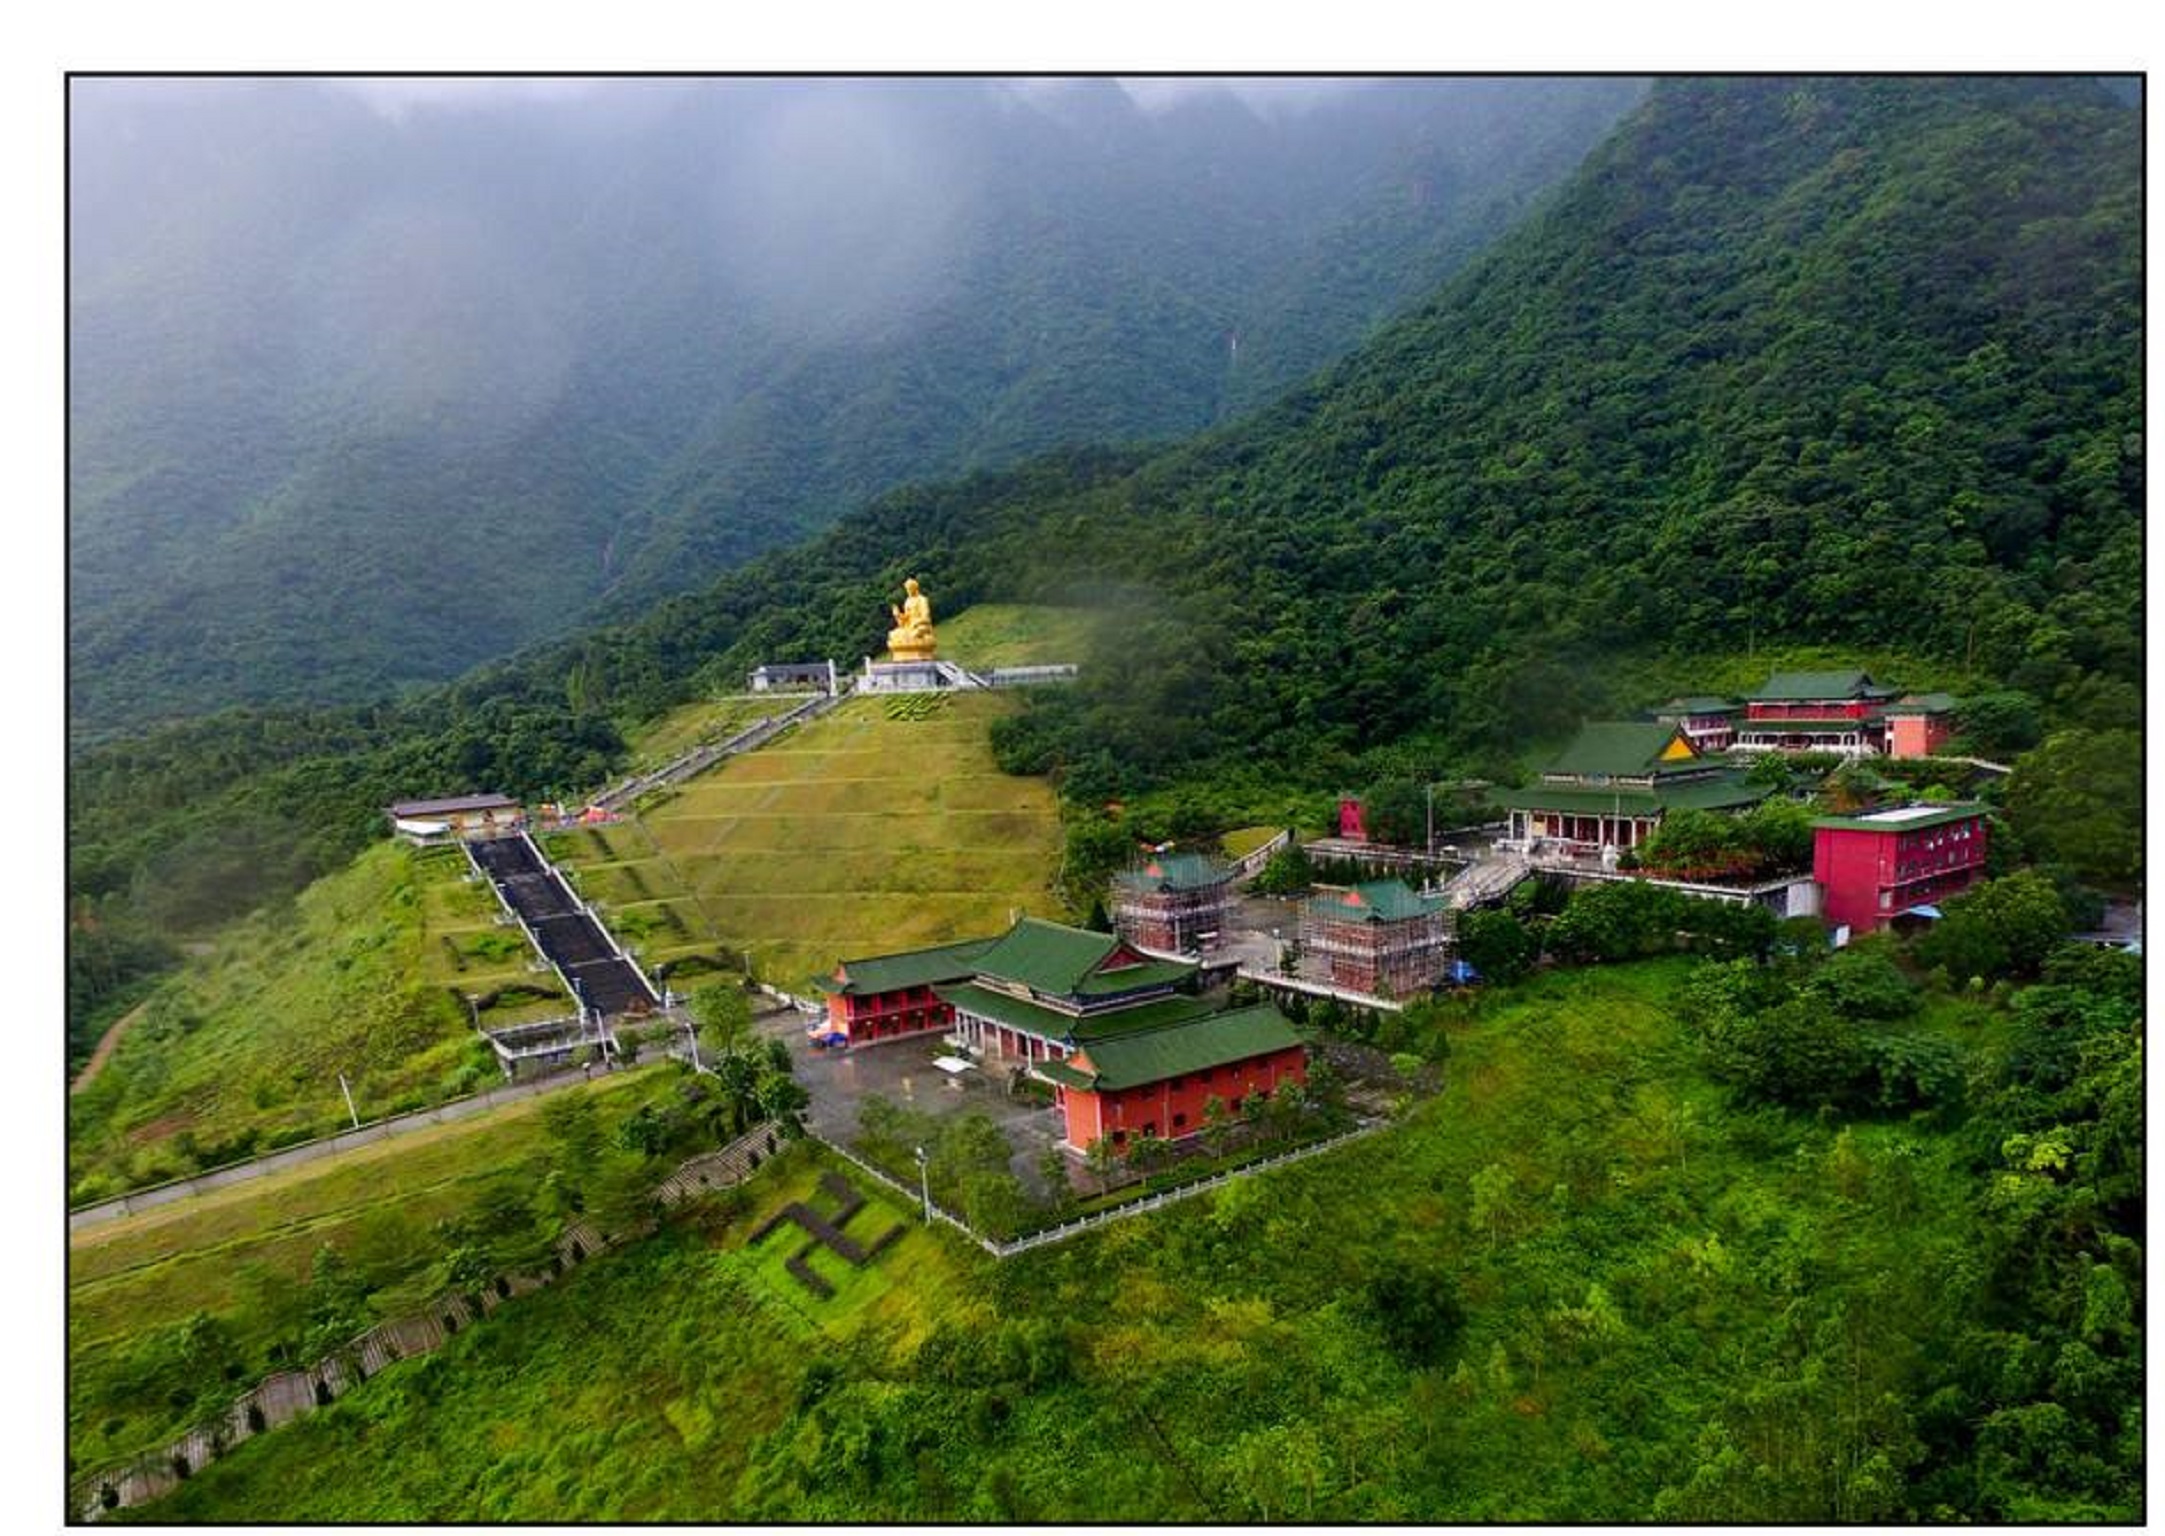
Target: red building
x=889, y=996
x=1840, y=712
x=1159, y=1082
x=1709, y=724
x=1920, y=725
x=1875, y=867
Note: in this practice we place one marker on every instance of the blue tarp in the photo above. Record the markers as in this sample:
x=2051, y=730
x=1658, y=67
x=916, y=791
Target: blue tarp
x=1927, y=911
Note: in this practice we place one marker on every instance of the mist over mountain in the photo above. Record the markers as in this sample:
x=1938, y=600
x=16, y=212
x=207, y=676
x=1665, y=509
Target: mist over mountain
x=372, y=381
x=1813, y=361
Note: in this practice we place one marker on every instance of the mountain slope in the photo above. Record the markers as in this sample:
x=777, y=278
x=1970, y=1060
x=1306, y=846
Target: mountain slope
x=1832, y=363
x=361, y=397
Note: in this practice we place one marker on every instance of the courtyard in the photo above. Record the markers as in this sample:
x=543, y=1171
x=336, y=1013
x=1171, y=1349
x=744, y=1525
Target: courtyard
x=902, y=1071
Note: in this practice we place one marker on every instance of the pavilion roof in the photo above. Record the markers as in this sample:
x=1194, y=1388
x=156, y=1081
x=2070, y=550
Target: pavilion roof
x=1053, y=1024
x=1175, y=872
x=1620, y=749
x=1720, y=792
x=1375, y=901
x=453, y=805
x=1059, y=961
x=1924, y=704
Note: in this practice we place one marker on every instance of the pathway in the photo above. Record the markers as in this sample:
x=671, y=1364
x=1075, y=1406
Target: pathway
x=106, y=1042
x=309, y=1151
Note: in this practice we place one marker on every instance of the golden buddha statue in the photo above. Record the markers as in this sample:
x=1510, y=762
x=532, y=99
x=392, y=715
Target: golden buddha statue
x=911, y=638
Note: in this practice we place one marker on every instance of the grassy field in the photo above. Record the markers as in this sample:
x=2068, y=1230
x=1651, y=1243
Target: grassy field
x=1557, y=1292
x=856, y=834
x=692, y=1341
x=1016, y=635
x=1242, y=841
x=241, y=1050
x=242, y=1254
x=695, y=725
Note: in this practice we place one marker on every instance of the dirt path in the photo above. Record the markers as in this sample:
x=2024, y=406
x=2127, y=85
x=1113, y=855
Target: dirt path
x=106, y=1042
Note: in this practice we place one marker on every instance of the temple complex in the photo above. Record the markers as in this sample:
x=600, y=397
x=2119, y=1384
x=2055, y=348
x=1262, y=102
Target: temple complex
x=1125, y=1047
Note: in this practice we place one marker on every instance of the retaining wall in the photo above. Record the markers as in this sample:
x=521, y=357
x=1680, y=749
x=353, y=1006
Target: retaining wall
x=284, y=1396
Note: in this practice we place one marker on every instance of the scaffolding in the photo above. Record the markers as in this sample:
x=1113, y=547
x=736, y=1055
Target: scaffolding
x=1380, y=939
x=1172, y=905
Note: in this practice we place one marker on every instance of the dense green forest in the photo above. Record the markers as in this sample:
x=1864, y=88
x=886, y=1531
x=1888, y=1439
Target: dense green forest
x=365, y=393
x=1839, y=363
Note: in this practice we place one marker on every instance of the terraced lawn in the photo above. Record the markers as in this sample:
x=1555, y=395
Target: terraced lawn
x=857, y=834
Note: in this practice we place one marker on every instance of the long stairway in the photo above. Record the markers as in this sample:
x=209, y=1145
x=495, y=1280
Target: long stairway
x=562, y=927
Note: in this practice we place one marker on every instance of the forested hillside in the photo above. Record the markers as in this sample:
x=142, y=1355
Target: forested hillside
x=365, y=391
x=1829, y=362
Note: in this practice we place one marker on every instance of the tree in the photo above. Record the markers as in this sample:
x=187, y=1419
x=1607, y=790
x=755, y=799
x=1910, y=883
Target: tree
x=783, y=1100
x=1217, y=1126
x=2077, y=799
x=1496, y=944
x=723, y=1016
x=1287, y=872
x=1102, y=1160
x=2004, y=927
x=1998, y=725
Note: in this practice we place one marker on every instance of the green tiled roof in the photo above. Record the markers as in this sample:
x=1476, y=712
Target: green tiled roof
x=1618, y=748
x=1175, y=872
x=1047, y=957
x=1134, y=978
x=1059, y=961
x=911, y=968
x=1052, y=1024
x=1714, y=794
x=1701, y=704
x=1933, y=816
x=1376, y=901
x=1799, y=687
x=1151, y=1056
x=1924, y=704
x=1176, y=1009
x=1063, y=1074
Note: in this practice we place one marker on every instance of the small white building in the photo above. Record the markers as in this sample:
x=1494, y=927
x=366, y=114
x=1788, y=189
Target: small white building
x=461, y=816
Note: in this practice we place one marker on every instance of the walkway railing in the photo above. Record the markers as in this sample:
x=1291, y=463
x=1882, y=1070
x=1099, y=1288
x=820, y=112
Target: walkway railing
x=1076, y=1226
x=701, y=758
x=1252, y=862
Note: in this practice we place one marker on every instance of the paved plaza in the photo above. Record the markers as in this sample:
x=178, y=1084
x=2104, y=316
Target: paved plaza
x=839, y=1081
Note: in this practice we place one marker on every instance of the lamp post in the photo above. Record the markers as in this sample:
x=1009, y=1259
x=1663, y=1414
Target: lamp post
x=924, y=1185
